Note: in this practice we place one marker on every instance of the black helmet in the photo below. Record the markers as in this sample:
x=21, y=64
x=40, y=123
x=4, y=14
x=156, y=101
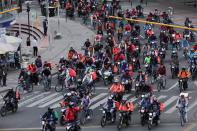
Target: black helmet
x=50, y=109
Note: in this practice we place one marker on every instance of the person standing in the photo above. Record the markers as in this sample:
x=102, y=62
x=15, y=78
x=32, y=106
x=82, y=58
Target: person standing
x=35, y=46
x=45, y=26
x=4, y=75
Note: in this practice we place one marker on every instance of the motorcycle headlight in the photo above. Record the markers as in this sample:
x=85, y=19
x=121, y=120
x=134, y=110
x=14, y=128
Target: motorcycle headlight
x=173, y=67
x=142, y=111
x=120, y=114
x=137, y=84
x=43, y=122
x=150, y=114
x=105, y=77
x=103, y=112
x=181, y=80
x=193, y=66
x=62, y=110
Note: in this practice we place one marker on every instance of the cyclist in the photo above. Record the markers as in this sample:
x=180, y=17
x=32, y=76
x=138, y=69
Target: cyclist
x=182, y=104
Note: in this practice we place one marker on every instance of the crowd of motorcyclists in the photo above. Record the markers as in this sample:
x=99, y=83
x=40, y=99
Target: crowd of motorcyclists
x=119, y=57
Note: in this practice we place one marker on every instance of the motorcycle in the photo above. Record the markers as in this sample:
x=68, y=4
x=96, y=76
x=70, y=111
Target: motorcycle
x=48, y=125
x=107, y=116
x=193, y=70
x=107, y=77
x=24, y=86
x=62, y=120
x=152, y=119
x=75, y=126
x=127, y=84
x=123, y=119
x=138, y=88
x=143, y=116
x=182, y=86
x=11, y=105
x=161, y=83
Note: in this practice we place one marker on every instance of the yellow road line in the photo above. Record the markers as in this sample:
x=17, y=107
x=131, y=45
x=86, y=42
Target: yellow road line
x=190, y=127
x=155, y=23
x=13, y=9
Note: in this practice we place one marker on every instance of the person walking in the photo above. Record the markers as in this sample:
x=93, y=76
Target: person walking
x=35, y=46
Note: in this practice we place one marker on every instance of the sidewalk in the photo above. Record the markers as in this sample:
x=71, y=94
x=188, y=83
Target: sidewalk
x=73, y=34
x=181, y=11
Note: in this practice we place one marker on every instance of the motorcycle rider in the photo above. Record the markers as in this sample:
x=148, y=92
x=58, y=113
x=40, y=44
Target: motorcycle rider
x=25, y=77
x=118, y=89
x=162, y=71
x=182, y=103
x=126, y=107
x=111, y=107
x=155, y=107
x=10, y=98
x=71, y=115
x=184, y=74
x=51, y=116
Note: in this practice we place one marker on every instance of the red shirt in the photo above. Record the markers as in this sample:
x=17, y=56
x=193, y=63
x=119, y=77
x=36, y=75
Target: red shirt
x=70, y=113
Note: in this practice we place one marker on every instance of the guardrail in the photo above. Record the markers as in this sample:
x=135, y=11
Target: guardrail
x=10, y=10
x=154, y=23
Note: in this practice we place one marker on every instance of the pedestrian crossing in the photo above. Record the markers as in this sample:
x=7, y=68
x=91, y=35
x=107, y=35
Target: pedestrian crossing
x=39, y=99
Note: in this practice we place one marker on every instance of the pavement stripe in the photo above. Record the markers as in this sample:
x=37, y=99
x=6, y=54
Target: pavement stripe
x=32, y=99
x=97, y=97
x=51, y=102
x=169, y=101
x=192, y=105
x=102, y=102
x=42, y=100
x=172, y=86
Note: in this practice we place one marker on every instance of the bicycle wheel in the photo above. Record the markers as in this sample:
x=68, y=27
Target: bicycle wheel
x=59, y=87
x=159, y=86
x=30, y=89
x=182, y=120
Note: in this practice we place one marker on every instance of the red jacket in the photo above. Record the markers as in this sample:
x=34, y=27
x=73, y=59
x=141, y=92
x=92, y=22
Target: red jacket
x=71, y=113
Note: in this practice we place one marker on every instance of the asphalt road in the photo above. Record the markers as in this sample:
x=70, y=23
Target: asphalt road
x=33, y=105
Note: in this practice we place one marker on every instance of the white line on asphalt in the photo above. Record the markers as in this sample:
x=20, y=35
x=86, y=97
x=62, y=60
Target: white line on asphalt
x=173, y=86
x=169, y=101
x=42, y=100
x=103, y=101
x=97, y=97
x=161, y=97
x=33, y=99
x=192, y=105
x=51, y=102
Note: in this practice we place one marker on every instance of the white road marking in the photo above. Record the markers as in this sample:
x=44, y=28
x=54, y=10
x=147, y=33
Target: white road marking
x=32, y=99
x=97, y=97
x=192, y=105
x=51, y=102
x=168, y=102
x=173, y=86
x=42, y=100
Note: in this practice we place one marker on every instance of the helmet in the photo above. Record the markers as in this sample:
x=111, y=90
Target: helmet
x=116, y=80
x=110, y=98
x=71, y=104
x=183, y=68
x=68, y=94
x=50, y=109
x=124, y=99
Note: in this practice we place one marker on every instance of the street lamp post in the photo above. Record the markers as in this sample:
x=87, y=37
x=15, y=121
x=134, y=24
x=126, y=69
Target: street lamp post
x=28, y=10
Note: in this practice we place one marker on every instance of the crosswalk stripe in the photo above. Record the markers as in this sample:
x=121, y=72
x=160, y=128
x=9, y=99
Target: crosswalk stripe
x=51, y=102
x=32, y=99
x=103, y=101
x=168, y=102
x=97, y=97
x=42, y=100
x=192, y=105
